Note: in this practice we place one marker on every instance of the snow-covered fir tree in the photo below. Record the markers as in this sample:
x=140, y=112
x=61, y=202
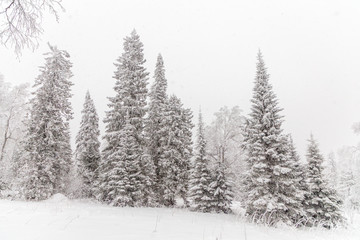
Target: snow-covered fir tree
x=321, y=203
x=168, y=130
x=271, y=193
x=125, y=178
x=299, y=181
x=176, y=151
x=156, y=133
x=186, y=150
x=87, y=153
x=47, y=144
x=222, y=190
x=201, y=193
x=127, y=108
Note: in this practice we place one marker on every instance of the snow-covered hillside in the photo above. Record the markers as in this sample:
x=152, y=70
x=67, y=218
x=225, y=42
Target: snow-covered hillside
x=63, y=219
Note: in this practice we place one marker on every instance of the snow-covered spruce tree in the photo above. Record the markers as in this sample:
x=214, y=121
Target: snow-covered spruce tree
x=222, y=190
x=156, y=132
x=47, y=143
x=201, y=193
x=126, y=178
x=174, y=161
x=128, y=106
x=321, y=203
x=87, y=153
x=271, y=192
x=186, y=152
x=168, y=130
x=299, y=181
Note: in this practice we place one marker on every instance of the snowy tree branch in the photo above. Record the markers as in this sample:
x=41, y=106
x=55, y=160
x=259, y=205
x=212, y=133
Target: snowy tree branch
x=21, y=22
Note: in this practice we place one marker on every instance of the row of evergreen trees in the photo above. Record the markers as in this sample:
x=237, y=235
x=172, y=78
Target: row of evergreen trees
x=147, y=149
x=147, y=157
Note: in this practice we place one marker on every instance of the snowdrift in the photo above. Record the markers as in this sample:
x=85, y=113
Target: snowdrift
x=62, y=219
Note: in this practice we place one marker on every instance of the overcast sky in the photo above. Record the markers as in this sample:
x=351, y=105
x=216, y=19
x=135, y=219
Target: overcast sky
x=311, y=49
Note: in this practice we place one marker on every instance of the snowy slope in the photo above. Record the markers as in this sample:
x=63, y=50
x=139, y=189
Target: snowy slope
x=60, y=218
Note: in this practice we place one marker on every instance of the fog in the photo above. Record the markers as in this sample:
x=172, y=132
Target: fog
x=311, y=49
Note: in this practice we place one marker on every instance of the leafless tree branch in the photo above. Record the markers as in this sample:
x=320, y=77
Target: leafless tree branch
x=21, y=22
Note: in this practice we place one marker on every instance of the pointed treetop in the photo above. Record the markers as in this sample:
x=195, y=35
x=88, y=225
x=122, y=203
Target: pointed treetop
x=133, y=32
x=158, y=89
x=259, y=55
x=160, y=59
x=311, y=139
x=313, y=149
x=160, y=70
x=133, y=48
x=54, y=50
x=200, y=115
x=261, y=68
x=260, y=58
x=88, y=97
x=134, y=35
x=263, y=90
x=201, y=124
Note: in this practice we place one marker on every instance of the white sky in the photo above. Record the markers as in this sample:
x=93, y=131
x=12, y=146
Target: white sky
x=311, y=49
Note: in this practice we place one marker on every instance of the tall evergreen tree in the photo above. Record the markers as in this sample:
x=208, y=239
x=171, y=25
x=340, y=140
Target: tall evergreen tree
x=47, y=144
x=201, y=192
x=157, y=135
x=169, y=135
x=176, y=151
x=222, y=190
x=128, y=107
x=126, y=179
x=321, y=202
x=87, y=153
x=186, y=151
x=271, y=192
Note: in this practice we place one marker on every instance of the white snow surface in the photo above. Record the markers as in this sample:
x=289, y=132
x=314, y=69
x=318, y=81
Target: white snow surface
x=62, y=219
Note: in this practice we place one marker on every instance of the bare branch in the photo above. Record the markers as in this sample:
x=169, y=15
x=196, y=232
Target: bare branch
x=21, y=22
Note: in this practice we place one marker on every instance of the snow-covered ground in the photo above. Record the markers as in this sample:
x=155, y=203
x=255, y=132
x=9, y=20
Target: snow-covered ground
x=60, y=218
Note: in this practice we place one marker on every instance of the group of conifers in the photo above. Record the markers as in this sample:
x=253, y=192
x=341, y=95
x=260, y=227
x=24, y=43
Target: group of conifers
x=147, y=157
